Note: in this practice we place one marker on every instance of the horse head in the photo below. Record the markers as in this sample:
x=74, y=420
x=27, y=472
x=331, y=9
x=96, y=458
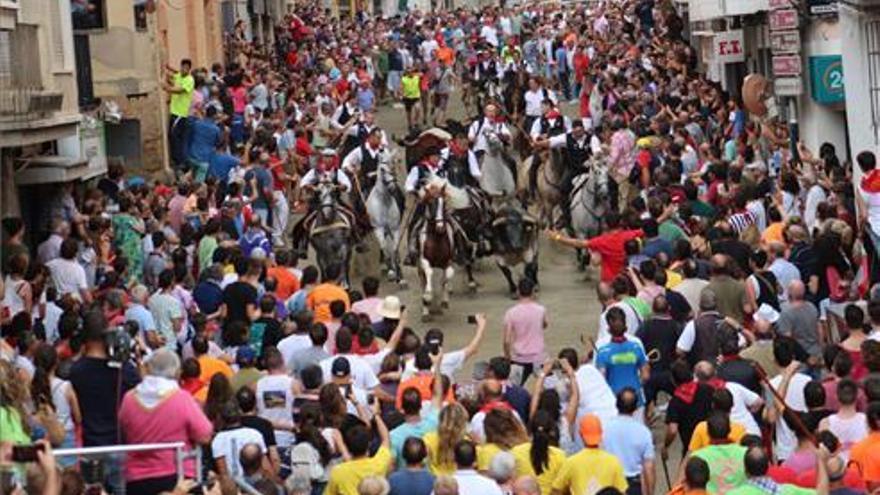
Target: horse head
x=327, y=192
x=600, y=187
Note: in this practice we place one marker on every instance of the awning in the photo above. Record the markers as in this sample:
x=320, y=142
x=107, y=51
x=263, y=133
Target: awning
x=53, y=170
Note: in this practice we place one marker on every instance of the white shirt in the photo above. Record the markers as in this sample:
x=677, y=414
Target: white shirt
x=288, y=346
x=815, y=195
x=632, y=321
x=471, y=482
x=535, y=99
x=312, y=178
x=536, y=130
x=561, y=141
x=743, y=399
x=428, y=47
x=477, y=134
x=362, y=374
x=68, y=277
x=275, y=403
x=785, y=272
x=49, y=249
x=490, y=34
x=452, y=362
x=228, y=444
x=355, y=157
x=473, y=164
x=786, y=442
x=596, y=396
x=872, y=203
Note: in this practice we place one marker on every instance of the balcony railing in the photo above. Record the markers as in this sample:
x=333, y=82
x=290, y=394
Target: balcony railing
x=26, y=103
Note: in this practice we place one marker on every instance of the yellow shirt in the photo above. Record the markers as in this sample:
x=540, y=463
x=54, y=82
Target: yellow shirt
x=432, y=442
x=673, y=278
x=700, y=437
x=555, y=460
x=485, y=453
x=411, y=86
x=589, y=471
x=345, y=477
x=180, y=102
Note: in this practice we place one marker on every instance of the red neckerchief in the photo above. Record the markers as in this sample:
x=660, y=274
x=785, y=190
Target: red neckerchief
x=729, y=357
x=722, y=441
x=687, y=391
x=428, y=164
x=498, y=119
x=192, y=385
x=495, y=404
x=456, y=149
x=552, y=114
x=324, y=167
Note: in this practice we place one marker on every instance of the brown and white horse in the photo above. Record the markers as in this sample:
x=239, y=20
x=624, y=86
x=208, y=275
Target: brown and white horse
x=436, y=248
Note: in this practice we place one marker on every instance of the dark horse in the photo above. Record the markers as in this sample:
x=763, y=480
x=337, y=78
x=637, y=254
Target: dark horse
x=472, y=220
x=330, y=233
x=436, y=248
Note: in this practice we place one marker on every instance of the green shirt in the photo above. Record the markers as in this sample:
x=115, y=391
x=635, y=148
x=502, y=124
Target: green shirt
x=180, y=102
x=245, y=377
x=411, y=86
x=749, y=489
x=11, y=429
x=670, y=231
x=726, y=466
x=702, y=209
x=207, y=246
x=640, y=307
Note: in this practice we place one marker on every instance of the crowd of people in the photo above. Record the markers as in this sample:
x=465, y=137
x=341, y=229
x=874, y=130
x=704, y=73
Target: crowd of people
x=738, y=311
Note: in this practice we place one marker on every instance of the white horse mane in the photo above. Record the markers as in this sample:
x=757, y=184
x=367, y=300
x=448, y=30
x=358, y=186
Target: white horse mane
x=456, y=198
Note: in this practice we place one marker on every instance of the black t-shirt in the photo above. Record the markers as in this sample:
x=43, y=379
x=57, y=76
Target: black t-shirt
x=660, y=334
x=236, y=297
x=99, y=386
x=263, y=426
x=679, y=307
x=688, y=414
x=519, y=399
x=742, y=372
x=272, y=334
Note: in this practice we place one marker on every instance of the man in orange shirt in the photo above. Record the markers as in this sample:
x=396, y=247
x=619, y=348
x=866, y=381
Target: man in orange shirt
x=283, y=274
x=329, y=290
x=423, y=380
x=208, y=364
x=866, y=454
x=444, y=54
x=696, y=477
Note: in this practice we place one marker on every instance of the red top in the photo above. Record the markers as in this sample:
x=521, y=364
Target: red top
x=610, y=246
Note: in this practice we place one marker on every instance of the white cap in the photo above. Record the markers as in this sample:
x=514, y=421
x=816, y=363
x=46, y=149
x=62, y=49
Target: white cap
x=767, y=313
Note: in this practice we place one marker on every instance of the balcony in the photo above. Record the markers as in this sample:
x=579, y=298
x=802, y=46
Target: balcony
x=706, y=10
x=20, y=104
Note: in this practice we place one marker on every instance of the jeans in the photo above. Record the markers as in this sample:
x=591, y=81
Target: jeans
x=566, y=84
x=634, y=485
x=280, y=216
x=177, y=136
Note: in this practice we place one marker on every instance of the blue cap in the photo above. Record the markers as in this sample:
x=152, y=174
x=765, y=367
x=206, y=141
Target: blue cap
x=246, y=353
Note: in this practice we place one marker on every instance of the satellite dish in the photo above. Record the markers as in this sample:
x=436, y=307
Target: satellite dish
x=756, y=90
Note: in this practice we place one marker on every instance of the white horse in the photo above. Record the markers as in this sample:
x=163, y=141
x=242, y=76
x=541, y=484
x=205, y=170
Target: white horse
x=589, y=202
x=385, y=209
x=497, y=179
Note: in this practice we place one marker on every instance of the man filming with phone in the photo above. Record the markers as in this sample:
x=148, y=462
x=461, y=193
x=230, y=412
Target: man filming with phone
x=454, y=360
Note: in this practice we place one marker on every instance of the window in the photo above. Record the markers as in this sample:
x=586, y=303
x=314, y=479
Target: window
x=62, y=36
x=872, y=38
x=140, y=14
x=88, y=14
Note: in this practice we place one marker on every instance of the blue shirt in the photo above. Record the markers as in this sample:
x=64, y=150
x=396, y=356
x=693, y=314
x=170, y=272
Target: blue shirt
x=220, y=165
x=561, y=57
x=621, y=362
x=208, y=296
x=204, y=136
x=657, y=245
x=399, y=435
x=365, y=99
x=408, y=482
x=630, y=441
x=141, y=315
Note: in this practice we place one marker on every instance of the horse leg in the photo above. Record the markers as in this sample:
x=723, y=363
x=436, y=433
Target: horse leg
x=448, y=273
x=469, y=269
x=531, y=271
x=508, y=274
x=427, y=290
x=395, y=258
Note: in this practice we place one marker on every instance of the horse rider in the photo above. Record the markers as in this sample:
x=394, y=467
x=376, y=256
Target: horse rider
x=359, y=132
x=491, y=123
x=459, y=150
x=534, y=99
x=487, y=70
x=578, y=146
x=419, y=176
x=363, y=161
x=551, y=123
x=325, y=171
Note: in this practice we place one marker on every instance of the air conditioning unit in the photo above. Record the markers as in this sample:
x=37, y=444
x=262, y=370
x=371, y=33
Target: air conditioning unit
x=46, y=102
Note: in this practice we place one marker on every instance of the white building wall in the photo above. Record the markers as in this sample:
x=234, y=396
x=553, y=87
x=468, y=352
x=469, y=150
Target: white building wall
x=821, y=123
x=853, y=46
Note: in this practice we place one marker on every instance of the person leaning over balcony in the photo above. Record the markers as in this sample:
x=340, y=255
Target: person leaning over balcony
x=158, y=411
x=180, y=85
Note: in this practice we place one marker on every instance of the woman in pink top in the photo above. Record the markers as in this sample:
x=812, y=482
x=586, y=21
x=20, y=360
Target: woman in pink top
x=158, y=411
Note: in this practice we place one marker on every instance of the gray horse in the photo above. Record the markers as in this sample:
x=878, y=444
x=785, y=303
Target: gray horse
x=385, y=208
x=331, y=231
x=589, y=202
x=497, y=179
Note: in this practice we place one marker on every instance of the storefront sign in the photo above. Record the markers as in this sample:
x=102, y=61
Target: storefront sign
x=822, y=7
x=783, y=19
x=788, y=86
x=727, y=47
x=786, y=65
x=780, y=4
x=785, y=41
x=826, y=79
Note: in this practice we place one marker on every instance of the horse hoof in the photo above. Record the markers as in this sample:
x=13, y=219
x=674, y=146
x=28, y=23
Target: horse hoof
x=402, y=284
x=472, y=287
x=513, y=295
x=426, y=318
x=444, y=305
x=391, y=276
